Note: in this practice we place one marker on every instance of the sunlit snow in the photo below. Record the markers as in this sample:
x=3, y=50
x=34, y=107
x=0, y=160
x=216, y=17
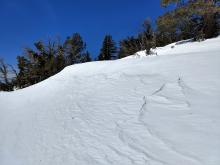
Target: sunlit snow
x=161, y=109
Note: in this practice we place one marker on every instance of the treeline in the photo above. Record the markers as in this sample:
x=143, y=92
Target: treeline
x=45, y=60
x=190, y=19
x=48, y=59
x=196, y=19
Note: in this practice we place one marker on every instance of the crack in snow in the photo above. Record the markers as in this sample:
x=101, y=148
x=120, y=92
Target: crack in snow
x=167, y=144
x=132, y=147
x=183, y=87
x=158, y=90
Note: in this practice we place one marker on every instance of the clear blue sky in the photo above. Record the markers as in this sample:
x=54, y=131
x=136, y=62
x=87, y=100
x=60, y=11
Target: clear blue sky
x=22, y=22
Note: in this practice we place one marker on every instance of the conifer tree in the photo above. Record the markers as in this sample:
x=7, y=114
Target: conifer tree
x=144, y=41
x=108, y=50
x=147, y=37
x=74, y=49
x=190, y=19
x=46, y=59
x=86, y=57
x=60, y=58
x=4, y=76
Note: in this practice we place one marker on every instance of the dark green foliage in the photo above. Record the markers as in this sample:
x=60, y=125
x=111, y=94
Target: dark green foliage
x=45, y=60
x=198, y=19
x=86, y=57
x=24, y=70
x=144, y=41
x=3, y=72
x=147, y=37
x=60, y=58
x=129, y=46
x=48, y=59
x=166, y=29
x=165, y=3
x=74, y=49
x=108, y=50
x=6, y=80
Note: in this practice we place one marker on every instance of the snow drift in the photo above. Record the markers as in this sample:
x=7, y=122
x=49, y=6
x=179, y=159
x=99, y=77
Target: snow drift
x=162, y=109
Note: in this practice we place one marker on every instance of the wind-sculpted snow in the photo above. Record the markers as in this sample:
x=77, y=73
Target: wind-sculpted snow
x=157, y=110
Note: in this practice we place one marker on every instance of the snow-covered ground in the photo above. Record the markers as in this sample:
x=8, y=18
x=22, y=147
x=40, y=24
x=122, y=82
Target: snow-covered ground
x=162, y=109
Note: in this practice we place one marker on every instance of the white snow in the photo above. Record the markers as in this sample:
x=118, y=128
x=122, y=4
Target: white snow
x=162, y=109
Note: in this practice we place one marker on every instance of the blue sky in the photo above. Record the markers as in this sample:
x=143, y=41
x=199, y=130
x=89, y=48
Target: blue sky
x=22, y=22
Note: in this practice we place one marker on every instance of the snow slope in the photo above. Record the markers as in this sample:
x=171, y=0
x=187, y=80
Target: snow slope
x=157, y=110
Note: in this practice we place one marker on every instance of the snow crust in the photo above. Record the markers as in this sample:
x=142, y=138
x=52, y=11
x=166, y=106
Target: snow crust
x=162, y=109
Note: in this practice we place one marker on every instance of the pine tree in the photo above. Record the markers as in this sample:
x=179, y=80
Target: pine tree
x=147, y=37
x=47, y=59
x=108, y=50
x=5, y=84
x=129, y=46
x=60, y=58
x=190, y=19
x=86, y=57
x=74, y=49
x=24, y=69
x=144, y=41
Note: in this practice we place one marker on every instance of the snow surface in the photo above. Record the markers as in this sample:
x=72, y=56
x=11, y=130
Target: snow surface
x=162, y=109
